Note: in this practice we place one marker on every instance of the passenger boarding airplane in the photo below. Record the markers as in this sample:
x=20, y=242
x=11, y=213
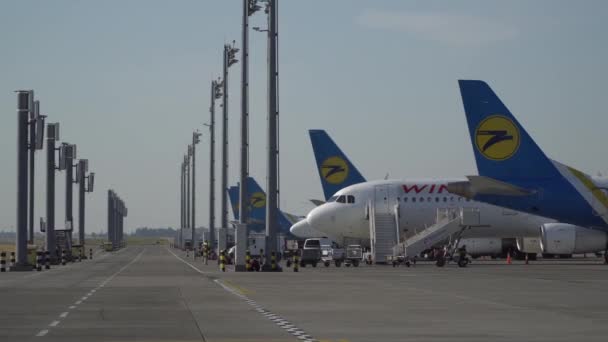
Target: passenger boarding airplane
x=515, y=173
x=344, y=214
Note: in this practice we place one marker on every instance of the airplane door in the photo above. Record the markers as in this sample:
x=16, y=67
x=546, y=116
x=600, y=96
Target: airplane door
x=382, y=199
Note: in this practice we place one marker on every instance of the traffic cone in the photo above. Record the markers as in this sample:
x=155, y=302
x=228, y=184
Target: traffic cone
x=508, y=258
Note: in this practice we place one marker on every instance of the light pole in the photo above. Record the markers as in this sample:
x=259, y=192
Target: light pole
x=23, y=100
x=228, y=60
x=52, y=137
x=195, y=140
x=216, y=93
x=273, y=145
x=83, y=188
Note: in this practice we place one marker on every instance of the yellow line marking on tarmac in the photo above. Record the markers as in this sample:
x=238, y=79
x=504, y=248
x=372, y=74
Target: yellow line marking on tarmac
x=237, y=288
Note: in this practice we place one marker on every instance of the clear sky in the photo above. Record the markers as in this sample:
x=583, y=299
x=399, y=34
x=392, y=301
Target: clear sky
x=129, y=82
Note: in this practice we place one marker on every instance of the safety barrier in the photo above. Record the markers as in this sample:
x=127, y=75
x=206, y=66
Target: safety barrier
x=91, y=253
x=2, y=261
x=248, y=261
x=47, y=260
x=63, y=257
x=38, y=261
x=222, y=261
x=13, y=262
x=273, y=261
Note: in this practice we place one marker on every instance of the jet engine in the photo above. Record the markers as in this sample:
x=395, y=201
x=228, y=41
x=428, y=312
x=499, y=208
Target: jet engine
x=561, y=238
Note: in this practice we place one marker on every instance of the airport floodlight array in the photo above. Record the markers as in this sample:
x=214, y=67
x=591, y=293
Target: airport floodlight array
x=31, y=137
x=117, y=211
x=229, y=59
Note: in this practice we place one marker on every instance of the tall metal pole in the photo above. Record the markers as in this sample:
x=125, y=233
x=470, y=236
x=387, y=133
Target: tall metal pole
x=81, y=201
x=181, y=201
x=224, y=188
x=195, y=140
x=69, y=180
x=50, y=188
x=244, y=171
x=34, y=111
x=212, y=167
x=22, y=142
x=187, y=161
x=111, y=217
x=273, y=153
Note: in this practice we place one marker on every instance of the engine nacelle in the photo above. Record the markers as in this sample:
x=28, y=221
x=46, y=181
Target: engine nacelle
x=482, y=246
x=561, y=238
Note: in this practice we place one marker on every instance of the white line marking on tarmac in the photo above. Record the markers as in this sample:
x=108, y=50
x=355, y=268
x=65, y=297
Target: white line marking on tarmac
x=278, y=320
x=65, y=314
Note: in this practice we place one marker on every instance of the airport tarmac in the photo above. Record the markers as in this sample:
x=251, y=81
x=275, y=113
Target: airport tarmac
x=153, y=293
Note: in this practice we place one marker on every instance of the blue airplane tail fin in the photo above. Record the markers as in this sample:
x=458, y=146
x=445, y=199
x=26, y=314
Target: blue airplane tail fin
x=503, y=149
x=257, y=205
x=335, y=169
x=233, y=195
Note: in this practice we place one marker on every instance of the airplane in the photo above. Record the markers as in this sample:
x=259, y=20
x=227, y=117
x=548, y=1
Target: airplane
x=343, y=217
x=515, y=173
x=257, y=208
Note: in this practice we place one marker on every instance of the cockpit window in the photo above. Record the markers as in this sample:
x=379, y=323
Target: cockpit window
x=332, y=199
x=341, y=199
x=351, y=199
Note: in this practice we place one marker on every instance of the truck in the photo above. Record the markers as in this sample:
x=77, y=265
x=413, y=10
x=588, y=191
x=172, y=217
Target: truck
x=311, y=253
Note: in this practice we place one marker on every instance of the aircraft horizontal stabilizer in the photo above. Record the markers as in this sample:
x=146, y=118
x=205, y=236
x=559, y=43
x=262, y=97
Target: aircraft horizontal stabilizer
x=317, y=202
x=480, y=185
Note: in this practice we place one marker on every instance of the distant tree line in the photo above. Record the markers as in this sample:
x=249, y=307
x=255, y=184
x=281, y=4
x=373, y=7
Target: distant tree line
x=154, y=232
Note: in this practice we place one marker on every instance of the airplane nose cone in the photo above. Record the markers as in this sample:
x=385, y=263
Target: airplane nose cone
x=303, y=229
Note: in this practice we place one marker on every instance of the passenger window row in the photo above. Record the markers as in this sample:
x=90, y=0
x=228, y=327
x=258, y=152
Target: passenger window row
x=430, y=199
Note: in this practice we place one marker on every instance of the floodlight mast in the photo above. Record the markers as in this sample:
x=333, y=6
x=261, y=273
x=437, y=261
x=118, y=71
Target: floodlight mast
x=23, y=100
x=195, y=140
x=216, y=93
x=34, y=111
x=249, y=8
x=273, y=150
x=52, y=137
x=228, y=60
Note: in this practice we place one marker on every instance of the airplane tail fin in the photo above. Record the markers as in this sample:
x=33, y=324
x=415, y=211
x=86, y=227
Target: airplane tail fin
x=257, y=204
x=503, y=149
x=335, y=169
x=233, y=195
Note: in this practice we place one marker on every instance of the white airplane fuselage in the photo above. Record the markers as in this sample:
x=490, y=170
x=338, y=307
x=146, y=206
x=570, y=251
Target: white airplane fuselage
x=418, y=200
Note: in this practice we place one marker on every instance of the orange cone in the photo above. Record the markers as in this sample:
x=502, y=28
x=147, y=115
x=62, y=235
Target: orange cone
x=508, y=258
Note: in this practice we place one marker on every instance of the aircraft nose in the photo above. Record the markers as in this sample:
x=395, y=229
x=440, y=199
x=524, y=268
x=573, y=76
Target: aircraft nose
x=303, y=229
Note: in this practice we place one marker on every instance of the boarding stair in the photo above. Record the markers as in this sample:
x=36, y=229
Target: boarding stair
x=450, y=224
x=384, y=233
